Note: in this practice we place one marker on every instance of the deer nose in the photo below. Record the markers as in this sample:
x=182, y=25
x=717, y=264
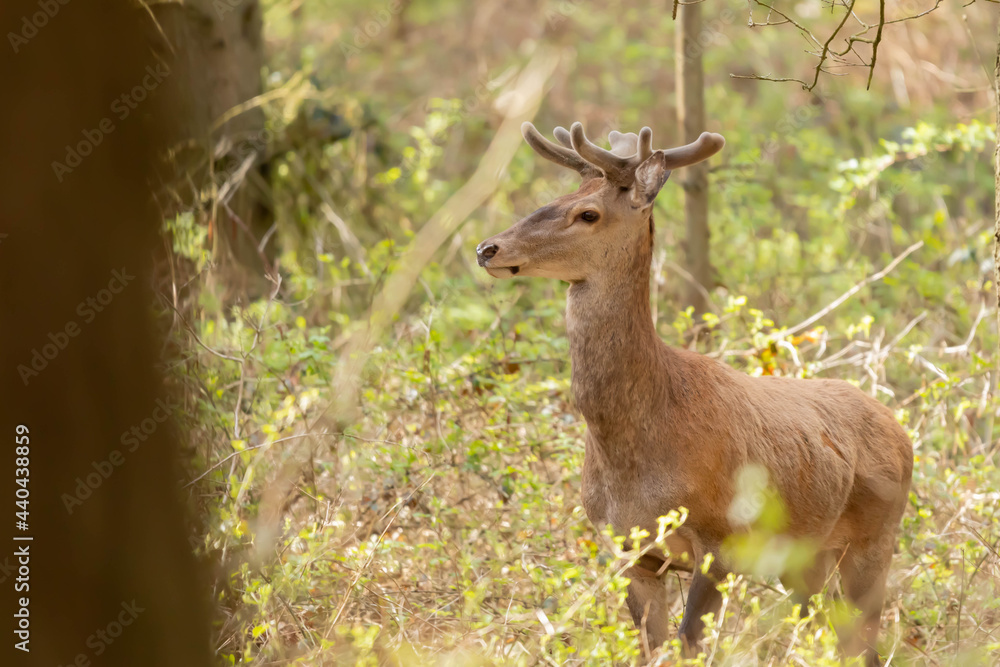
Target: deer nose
x=486, y=252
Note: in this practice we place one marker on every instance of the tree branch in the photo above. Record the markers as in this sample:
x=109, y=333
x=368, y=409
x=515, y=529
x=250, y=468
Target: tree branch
x=878, y=38
x=849, y=293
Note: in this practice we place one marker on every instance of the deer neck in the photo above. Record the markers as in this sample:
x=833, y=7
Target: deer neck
x=618, y=368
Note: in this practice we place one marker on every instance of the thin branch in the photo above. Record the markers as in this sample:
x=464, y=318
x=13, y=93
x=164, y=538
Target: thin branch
x=253, y=346
x=826, y=46
x=826, y=52
x=269, y=270
x=387, y=302
x=198, y=340
x=248, y=449
x=677, y=268
x=964, y=347
x=937, y=4
x=766, y=77
x=849, y=293
x=805, y=31
x=371, y=556
x=878, y=38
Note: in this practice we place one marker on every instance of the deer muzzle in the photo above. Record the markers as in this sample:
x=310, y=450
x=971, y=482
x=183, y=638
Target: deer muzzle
x=486, y=253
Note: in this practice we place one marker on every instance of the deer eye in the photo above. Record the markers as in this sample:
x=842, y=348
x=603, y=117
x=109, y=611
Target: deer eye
x=590, y=216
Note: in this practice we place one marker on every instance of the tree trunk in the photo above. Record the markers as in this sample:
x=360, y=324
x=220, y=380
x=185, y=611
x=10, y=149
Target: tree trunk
x=98, y=567
x=691, y=120
x=215, y=52
x=996, y=174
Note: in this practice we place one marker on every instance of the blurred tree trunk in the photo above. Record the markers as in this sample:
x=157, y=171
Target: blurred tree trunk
x=691, y=120
x=215, y=50
x=109, y=575
x=996, y=176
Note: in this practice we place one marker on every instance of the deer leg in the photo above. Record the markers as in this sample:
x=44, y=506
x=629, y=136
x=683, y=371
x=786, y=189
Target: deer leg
x=810, y=581
x=647, y=602
x=863, y=573
x=703, y=598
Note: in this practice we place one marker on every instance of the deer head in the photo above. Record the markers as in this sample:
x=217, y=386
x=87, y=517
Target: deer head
x=583, y=235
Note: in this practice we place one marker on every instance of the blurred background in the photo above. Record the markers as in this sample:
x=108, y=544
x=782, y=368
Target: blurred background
x=376, y=443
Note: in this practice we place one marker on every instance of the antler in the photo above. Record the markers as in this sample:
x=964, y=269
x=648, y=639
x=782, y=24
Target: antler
x=702, y=148
x=627, y=152
x=558, y=154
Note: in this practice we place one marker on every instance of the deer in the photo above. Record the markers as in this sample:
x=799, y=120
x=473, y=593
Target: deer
x=669, y=428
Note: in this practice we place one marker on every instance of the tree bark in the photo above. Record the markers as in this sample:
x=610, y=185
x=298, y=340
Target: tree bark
x=108, y=574
x=215, y=52
x=691, y=120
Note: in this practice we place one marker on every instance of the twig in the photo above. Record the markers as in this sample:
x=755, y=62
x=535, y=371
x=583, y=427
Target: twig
x=483, y=182
x=767, y=77
x=849, y=293
x=253, y=346
x=677, y=268
x=247, y=449
x=327, y=208
x=826, y=46
x=788, y=19
x=194, y=335
x=878, y=39
x=825, y=51
x=371, y=556
x=964, y=347
x=268, y=269
x=937, y=4
x=902, y=334
x=958, y=616
x=932, y=368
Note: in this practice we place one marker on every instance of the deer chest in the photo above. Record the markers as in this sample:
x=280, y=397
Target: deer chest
x=626, y=496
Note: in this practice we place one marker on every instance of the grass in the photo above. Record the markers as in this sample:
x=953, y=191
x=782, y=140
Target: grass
x=443, y=525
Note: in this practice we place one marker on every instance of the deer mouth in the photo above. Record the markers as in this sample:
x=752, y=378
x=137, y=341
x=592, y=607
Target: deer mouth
x=502, y=271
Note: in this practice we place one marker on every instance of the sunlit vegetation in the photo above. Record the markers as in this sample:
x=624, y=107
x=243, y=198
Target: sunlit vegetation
x=441, y=522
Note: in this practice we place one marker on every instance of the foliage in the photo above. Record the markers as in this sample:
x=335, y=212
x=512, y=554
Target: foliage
x=443, y=525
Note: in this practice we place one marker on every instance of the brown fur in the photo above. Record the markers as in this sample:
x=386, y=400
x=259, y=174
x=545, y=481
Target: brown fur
x=670, y=428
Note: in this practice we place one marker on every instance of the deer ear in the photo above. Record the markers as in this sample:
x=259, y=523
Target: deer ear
x=649, y=178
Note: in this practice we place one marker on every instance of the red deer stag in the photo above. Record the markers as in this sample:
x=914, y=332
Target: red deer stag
x=670, y=428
